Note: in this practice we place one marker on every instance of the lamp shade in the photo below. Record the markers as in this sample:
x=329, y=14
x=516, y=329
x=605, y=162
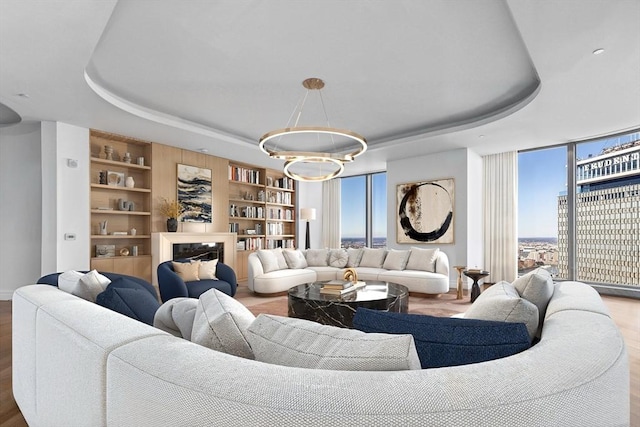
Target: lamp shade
x=308, y=213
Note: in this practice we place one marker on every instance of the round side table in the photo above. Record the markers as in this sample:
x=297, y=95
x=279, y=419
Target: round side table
x=476, y=275
x=460, y=269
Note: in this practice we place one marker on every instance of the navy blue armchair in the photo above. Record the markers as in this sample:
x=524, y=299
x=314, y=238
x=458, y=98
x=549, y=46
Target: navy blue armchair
x=172, y=286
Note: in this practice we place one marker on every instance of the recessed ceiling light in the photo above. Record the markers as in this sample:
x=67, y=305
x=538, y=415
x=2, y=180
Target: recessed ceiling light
x=203, y=150
x=22, y=95
x=480, y=136
x=598, y=51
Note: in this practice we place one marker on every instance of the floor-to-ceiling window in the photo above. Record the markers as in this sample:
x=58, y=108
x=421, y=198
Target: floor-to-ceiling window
x=592, y=191
x=542, y=178
x=364, y=210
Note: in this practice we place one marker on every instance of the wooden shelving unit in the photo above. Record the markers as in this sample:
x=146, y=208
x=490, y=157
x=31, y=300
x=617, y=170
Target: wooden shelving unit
x=105, y=205
x=261, y=211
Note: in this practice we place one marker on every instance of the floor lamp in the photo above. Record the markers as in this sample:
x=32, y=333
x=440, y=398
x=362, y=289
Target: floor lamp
x=308, y=214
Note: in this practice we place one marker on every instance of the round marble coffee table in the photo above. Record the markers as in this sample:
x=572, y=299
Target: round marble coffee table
x=306, y=302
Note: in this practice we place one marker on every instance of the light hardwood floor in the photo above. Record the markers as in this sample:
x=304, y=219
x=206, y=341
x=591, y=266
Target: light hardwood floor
x=625, y=312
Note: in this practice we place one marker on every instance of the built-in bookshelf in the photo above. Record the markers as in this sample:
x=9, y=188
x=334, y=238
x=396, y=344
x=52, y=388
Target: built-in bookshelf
x=120, y=204
x=261, y=210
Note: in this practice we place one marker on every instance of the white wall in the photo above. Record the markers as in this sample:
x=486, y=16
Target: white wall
x=65, y=196
x=465, y=167
x=42, y=199
x=20, y=207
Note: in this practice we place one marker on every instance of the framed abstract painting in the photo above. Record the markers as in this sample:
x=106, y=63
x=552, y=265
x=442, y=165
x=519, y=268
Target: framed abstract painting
x=426, y=211
x=194, y=193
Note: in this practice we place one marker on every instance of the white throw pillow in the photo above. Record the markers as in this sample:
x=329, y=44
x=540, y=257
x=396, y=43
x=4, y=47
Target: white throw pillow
x=536, y=287
x=207, y=270
x=396, y=260
x=422, y=259
x=90, y=285
x=176, y=316
x=220, y=323
x=501, y=302
x=272, y=260
x=305, y=344
x=68, y=280
x=317, y=257
x=373, y=258
x=338, y=258
x=355, y=255
x=294, y=258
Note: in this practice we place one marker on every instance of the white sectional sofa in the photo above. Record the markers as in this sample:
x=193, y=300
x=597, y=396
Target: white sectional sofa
x=79, y=364
x=420, y=270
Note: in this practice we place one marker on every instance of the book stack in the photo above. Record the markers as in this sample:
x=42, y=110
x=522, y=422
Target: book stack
x=340, y=287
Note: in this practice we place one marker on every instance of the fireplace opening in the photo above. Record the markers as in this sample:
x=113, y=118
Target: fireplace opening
x=202, y=251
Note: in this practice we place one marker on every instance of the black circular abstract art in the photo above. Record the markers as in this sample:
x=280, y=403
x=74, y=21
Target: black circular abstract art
x=411, y=205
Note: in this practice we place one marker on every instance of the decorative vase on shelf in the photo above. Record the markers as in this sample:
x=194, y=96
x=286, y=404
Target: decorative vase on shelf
x=172, y=225
x=129, y=182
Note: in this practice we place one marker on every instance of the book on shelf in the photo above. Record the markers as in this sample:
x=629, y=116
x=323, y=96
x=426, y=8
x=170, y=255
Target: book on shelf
x=338, y=291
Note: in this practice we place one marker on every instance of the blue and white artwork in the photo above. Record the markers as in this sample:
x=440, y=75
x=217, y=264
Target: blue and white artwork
x=194, y=193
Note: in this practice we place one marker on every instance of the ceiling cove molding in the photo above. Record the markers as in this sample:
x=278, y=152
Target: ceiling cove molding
x=162, y=118
x=527, y=95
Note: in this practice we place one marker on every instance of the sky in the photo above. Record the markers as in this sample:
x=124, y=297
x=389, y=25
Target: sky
x=542, y=176
x=354, y=205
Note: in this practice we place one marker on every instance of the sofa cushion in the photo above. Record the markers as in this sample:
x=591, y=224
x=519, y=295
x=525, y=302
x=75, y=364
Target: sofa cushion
x=338, y=258
x=368, y=273
x=417, y=281
x=220, y=323
x=501, y=302
x=305, y=344
x=355, y=255
x=176, y=316
x=283, y=279
x=536, y=287
x=68, y=280
x=422, y=259
x=91, y=285
x=207, y=270
x=130, y=299
x=396, y=260
x=317, y=257
x=188, y=271
x=294, y=258
x=272, y=260
x=372, y=258
x=445, y=341
x=324, y=274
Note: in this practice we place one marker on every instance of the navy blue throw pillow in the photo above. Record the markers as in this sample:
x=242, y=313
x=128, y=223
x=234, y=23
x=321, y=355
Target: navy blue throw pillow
x=129, y=298
x=444, y=341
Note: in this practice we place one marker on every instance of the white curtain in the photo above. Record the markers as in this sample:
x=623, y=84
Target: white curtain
x=331, y=213
x=500, y=233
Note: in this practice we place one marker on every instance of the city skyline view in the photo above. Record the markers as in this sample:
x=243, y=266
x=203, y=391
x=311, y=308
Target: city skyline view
x=539, y=187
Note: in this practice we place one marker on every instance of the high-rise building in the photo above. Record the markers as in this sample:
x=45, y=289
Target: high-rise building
x=607, y=218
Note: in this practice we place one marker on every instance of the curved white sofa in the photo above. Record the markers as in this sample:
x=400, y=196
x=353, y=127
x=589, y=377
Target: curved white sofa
x=76, y=363
x=417, y=281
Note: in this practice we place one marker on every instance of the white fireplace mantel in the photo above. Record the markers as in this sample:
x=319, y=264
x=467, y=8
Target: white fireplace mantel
x=162, y=247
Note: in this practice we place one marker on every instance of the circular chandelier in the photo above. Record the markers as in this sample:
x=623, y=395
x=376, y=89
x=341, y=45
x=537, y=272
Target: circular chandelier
x=328, y=160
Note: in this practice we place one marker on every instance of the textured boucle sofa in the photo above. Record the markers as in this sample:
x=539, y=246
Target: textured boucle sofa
x=277, y=270
x=76, y=363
